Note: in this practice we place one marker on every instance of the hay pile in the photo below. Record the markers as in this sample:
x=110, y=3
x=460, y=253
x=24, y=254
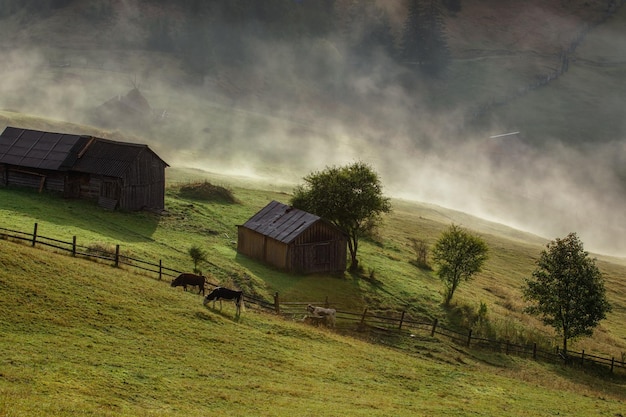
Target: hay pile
x=206, y=191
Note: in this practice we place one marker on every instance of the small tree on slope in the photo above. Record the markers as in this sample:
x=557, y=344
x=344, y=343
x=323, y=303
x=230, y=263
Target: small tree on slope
x=458, y=255
x=567, y=289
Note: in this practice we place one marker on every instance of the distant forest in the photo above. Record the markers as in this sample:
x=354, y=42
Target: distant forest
x=208, y=33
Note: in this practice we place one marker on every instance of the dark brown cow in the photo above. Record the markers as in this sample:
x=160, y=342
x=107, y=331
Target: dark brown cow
x=192, y=280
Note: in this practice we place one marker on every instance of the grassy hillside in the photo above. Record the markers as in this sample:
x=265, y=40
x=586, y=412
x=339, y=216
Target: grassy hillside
x=389, y=281
x=79, y=336
x=83, y=337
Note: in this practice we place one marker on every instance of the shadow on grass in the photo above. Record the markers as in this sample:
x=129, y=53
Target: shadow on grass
x=53, y=208
x=217, y=310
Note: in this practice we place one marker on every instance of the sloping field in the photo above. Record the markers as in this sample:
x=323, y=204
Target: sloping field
x=81, y=338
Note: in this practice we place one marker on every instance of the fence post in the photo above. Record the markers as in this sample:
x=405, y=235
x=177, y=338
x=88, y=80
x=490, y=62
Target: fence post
x=469, y=337
x=276, y=303
x=326, y=303
x=74, y=245
x=401, y=321
x=507, y=347
x=535, y=350
x=612, y=363
x=117, y=255
x=160, y=269
x=34, y=235
x=582, y=358
x=363, y=317
x=432, y=332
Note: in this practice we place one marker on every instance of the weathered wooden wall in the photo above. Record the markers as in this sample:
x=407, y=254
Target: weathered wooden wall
x=319, y=248
x=38, y=179
x=251, y=243
x=143, y=185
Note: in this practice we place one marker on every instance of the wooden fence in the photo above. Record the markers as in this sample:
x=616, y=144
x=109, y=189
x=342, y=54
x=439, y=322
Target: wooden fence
x=402, y=324
x=116, y=257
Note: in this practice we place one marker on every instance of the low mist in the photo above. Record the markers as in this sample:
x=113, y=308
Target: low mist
x=297, y=106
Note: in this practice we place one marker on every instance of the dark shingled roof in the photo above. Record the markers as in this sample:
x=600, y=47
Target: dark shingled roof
x=36, y=149
x=64, y=152
x=281, y=222
x=107, y=157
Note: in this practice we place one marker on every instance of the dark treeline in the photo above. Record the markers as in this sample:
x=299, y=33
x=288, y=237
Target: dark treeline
x=224, y=32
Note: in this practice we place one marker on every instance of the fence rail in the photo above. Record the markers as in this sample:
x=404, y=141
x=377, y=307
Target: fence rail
x=404, y=325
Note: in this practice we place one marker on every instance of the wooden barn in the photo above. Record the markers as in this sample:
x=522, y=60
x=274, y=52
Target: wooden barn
x=293, y=240
x=115, y=174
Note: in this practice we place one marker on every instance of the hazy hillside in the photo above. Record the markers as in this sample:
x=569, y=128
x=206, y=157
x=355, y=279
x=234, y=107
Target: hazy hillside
x=282, y=87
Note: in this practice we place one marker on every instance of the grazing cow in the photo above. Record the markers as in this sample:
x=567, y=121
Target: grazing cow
x=320, y=312
x=189, y=279
x=220, y=293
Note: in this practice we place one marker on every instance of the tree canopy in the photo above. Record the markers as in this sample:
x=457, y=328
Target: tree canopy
x=350, y=197
x=567, y=289
x=458, y=255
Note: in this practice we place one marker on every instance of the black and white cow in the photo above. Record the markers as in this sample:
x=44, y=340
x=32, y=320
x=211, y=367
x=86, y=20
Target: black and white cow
x=221, y=293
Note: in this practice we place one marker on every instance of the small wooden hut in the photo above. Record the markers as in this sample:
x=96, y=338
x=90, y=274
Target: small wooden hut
x=116, y=174
x=293, y=240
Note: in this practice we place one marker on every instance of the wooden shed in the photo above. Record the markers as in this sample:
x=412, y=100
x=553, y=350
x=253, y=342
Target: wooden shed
x=115, y=174
x=293, y=240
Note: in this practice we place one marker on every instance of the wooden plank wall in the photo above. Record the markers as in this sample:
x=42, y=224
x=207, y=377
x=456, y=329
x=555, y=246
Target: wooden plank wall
x=250, y=243
x=305, y=250
x=37, y=179
x=144, y=184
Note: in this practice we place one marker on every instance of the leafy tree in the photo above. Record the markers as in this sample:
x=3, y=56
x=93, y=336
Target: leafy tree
x=350, y=197
x=436, y=53
x=413, y=36
x=567, y=289
x=197, y=255
x=424, y=44
x=458, y=255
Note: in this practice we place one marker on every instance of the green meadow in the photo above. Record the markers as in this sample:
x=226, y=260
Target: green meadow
x=81, y=337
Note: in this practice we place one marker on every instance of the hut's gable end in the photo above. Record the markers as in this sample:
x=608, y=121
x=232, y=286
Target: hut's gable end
x=319, y=248
x=144, y=182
